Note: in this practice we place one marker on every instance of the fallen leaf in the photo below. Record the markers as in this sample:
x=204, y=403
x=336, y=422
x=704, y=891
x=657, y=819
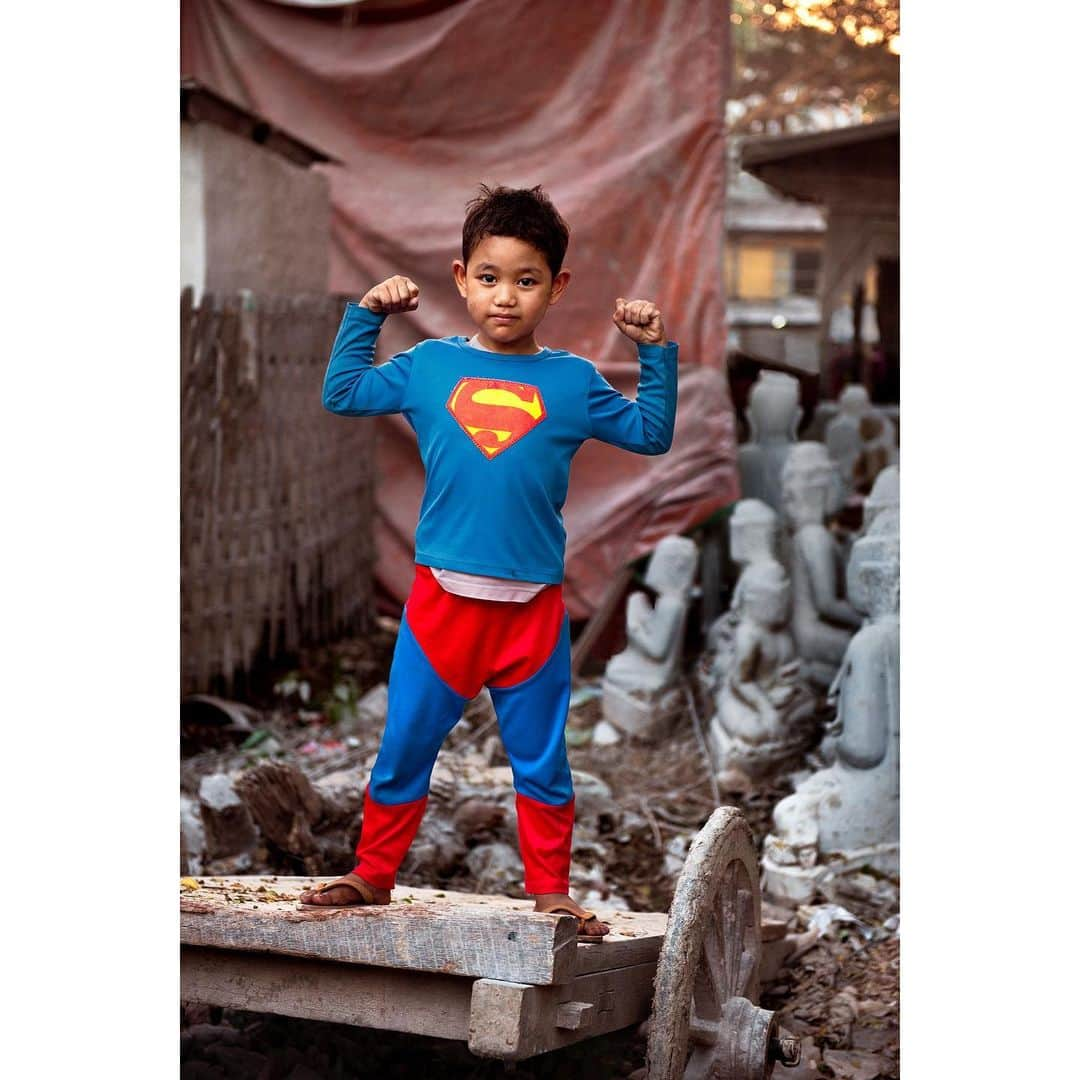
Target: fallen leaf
x=188, y=883
x=854, y=1064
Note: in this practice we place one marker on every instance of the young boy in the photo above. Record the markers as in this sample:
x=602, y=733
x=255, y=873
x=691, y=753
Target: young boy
x=498, y=418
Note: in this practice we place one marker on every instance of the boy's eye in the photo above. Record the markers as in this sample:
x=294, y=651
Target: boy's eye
x=527, y=281
x=487, y=279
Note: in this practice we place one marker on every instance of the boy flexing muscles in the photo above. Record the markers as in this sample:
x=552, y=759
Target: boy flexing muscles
x=498, y=418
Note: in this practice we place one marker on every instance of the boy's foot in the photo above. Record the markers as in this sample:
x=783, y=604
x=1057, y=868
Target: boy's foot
x=348, y=891
x=589, y=926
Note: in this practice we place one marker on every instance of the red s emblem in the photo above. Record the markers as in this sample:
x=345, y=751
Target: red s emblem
x=495, y=413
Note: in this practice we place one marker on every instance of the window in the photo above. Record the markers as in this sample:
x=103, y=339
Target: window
x=807, y=267
x=758, y=271
x=761, y=273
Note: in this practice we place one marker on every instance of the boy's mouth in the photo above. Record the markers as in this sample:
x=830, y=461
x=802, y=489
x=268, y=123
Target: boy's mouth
x=504, y=318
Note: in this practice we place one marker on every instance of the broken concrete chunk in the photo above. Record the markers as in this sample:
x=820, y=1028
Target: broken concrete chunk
x=474, y=817
x=497, y=868
x=605, y=734
x=374, y=702
x=192, y=833
x=228, y=826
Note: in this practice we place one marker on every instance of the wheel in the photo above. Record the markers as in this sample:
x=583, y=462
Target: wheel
x=705, y=1023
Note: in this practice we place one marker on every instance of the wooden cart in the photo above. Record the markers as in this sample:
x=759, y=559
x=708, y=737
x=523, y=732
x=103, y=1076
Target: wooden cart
x=491, y=972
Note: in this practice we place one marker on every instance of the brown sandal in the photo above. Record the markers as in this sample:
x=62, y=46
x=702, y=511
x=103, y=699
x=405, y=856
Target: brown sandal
x=585, y=917
x=357, y=884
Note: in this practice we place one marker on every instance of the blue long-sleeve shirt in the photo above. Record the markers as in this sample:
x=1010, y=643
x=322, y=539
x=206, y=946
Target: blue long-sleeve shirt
x=496, y=434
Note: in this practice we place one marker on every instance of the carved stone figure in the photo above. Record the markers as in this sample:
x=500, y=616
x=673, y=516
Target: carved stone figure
x=763, y=711
x=884, y=496
x=642, y=688
x=773, y=413
x=860, y=439
x=822, y=619
x=753, y=536
x=850, y=809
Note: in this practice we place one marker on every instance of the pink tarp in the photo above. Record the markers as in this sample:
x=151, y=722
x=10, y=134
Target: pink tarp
x=616, y=109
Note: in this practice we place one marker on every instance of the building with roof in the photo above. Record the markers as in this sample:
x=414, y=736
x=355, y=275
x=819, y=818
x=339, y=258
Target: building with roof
x=772, y=264
x=853, y=175
x=254, y=206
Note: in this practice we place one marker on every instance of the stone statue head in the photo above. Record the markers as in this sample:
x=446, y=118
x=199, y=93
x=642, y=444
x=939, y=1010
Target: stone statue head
x=808, y=484
x=765, y=593
x=884, y=495
x=873, y=573
x=753, y=531
x=672, y=566
x=854, y=400
x=773, y=408
x=886, y=523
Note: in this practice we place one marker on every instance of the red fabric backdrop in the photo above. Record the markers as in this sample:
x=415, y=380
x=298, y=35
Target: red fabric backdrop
x=616, y=109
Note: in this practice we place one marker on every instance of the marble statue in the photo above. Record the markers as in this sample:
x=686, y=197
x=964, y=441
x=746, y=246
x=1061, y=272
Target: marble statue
x=860, y=439
x=822, y=620
x=753, y=536
x=763, y=710
x=773, y=413
x=643, y=687
x=884, y=496
x=849, y=811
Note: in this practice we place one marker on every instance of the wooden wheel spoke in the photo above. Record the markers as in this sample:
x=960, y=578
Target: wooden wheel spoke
x=744, y=972
x=711, y=983
x=747, y=963
x=732, y=932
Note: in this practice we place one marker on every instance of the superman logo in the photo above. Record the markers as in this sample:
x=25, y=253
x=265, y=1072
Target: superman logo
x=495, y=413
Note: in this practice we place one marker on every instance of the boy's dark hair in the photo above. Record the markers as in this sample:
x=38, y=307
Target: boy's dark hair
x=523, y=213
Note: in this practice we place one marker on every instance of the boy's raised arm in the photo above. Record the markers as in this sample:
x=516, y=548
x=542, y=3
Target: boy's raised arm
x=353, y=385
x=647, y=425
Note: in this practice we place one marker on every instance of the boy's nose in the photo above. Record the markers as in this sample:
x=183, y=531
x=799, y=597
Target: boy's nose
x=504, y=297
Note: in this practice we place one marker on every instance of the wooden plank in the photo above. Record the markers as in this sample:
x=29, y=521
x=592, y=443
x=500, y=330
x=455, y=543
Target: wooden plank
x=419, y=1003
x=635, y=937
x=513, y=1021
x=459, y=936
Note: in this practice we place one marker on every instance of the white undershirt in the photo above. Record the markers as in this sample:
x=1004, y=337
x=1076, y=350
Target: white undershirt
x=482, y=587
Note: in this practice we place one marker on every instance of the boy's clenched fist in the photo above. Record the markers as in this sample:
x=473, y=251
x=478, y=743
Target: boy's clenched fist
x=640, y=321
x=395, y=294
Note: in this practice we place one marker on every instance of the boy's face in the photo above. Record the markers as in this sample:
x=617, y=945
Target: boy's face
x=508, y=288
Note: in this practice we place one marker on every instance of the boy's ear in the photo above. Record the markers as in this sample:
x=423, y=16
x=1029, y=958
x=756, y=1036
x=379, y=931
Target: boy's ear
x=459, y=277
x=558, y=285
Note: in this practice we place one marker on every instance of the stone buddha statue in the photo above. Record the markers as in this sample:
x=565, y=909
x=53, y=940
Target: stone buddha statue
x=773, y=414
x=860, y=439
x=852, y=806
x=884, y=496
x=642, y=687
x=763, y=710
x=822, y=619
x=753, y=536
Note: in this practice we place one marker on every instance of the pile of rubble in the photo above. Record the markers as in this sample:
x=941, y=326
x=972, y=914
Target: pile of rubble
x=279, y=791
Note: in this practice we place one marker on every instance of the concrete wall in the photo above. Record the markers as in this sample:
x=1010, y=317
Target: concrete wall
x=192, y=218
x=250, y=219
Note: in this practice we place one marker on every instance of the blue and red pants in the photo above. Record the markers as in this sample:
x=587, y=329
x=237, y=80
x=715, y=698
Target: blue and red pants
x=449, y=647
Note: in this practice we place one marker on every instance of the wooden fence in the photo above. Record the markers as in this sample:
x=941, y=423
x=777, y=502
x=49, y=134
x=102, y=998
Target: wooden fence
x=276, y=493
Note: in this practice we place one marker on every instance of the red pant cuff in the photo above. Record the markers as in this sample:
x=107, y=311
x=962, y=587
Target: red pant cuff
x=380, y=879
x=533, y=886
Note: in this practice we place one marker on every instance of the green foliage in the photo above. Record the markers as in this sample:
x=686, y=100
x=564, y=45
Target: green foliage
x=340, y=706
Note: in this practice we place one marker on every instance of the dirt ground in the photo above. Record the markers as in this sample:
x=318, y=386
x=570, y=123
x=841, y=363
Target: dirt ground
x=841, y=995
